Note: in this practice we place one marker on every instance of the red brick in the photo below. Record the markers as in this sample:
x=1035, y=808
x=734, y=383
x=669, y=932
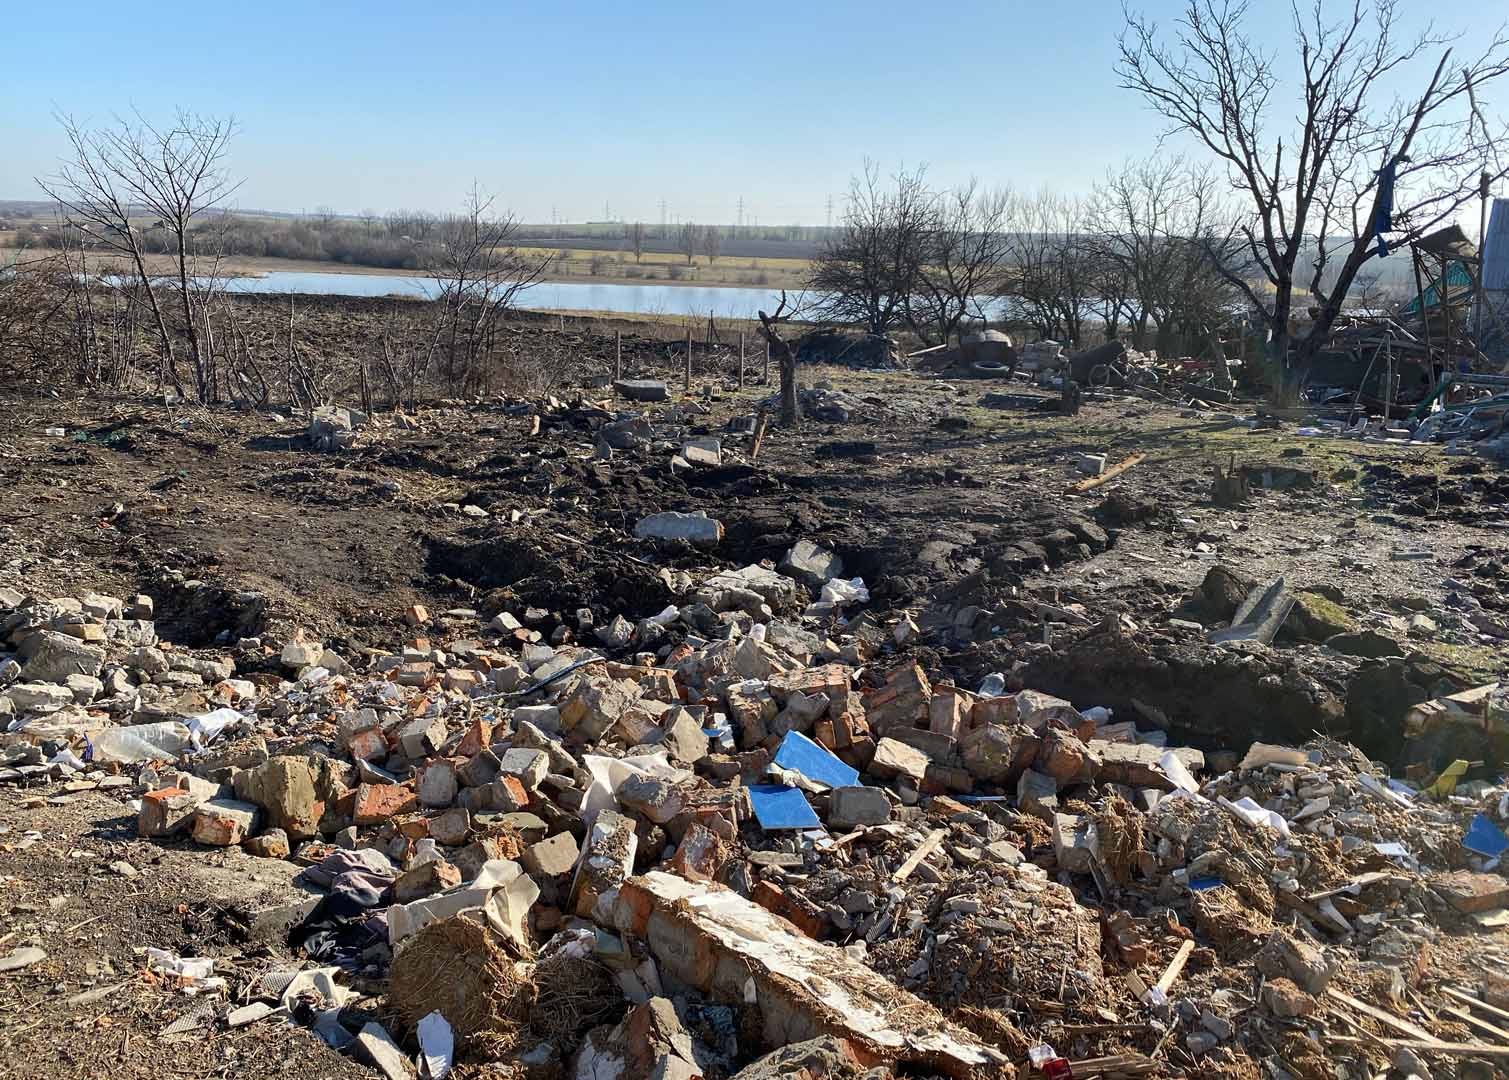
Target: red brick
x=478, y=737
x=376, y=803
x=774, y=899
x=700, y=855
x=368, y=745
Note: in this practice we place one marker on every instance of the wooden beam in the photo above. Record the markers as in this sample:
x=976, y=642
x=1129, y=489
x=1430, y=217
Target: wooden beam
x=1477, y=1003
x=924, y=849
x=1175, y=967
x=1429, y=1046
x=1110, y=474
x=762, y=422
x=1482, y=1025
x=1387, y=1019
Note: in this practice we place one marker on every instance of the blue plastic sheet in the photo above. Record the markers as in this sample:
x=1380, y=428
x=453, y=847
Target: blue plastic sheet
x=815, y=762
x=779, y=807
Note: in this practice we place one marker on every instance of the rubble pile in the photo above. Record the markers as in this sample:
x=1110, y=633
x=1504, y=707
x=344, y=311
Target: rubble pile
x=672, y=846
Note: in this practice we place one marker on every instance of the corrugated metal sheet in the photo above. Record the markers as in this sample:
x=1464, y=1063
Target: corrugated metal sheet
x=1496, y=247
x=1458, y=281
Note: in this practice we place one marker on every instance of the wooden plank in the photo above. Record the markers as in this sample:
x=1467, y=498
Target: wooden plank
x=1477, y=1003
x=924, y=849
x=1358, y=882
x=1110, y=474
x=1482, y=1025
x=1445, y=1049
x=761, y=423
x=1175, y=967
x=1310, y=911
x=1118, y=1065
x=1388, y=1019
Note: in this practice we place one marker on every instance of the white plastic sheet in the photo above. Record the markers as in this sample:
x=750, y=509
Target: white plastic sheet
x=1257, y=816
x=839, y=591
x=1177, y=774
x=210, y=726
x=437, y=1047
x=609, y=774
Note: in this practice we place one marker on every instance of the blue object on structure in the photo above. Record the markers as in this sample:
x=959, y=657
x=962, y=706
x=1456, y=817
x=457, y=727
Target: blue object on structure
x=1200, y=884
x=1485, y=838
x=779, y=807
x=815, y=762
x=1383, y=217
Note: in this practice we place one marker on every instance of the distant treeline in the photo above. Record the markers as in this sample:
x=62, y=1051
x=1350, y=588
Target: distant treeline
x=394, y=242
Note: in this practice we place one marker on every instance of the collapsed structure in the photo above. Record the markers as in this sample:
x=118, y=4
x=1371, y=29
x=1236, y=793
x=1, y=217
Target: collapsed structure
x=669, y=847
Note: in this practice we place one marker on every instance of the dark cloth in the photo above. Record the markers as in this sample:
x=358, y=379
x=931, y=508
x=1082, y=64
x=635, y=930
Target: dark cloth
x=343, y=925
x=1383, y=216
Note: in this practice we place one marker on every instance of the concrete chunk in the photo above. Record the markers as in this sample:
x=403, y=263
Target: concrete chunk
x=697, y=529
x=711, y=938
x=224, y=822
x=894, y=758
x=606, y=862
x=552, y=857
x=850, y=807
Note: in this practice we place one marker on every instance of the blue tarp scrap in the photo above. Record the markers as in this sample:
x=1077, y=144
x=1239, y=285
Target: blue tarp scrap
x=779, y=807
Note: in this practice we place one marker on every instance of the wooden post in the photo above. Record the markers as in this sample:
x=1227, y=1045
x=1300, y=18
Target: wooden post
x=767, y=361
x=741, y=359
x=618, y=355
x=562, y=325
x=688, y=359
x=761, y=423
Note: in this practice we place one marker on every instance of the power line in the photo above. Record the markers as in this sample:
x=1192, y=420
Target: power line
x=741, y=211
x=830, y=211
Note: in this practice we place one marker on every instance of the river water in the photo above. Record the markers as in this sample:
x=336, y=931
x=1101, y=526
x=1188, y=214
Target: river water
x=729, y=303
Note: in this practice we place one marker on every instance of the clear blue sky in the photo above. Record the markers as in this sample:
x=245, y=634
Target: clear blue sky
x=569, y=106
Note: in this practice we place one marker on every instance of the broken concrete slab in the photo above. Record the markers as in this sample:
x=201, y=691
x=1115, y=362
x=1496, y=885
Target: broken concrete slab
x=607, y=860
x=697, y=529
x=811, y=564
x=284, y=787
x=711, y=938
x=51, y=657
x=850, y=807
x=642, y=389
x=378, y=1047
x=1259, y=616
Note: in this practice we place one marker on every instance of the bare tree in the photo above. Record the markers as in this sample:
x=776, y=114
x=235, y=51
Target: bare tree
x=1159, y=227
x=1367, y=163
x=786, y=310
x=1053, y=276
x=867, y=270
x=712, y=241
x=478, y=275
x=689, y=240
x=636, y=236
x=171, y=175
x=965, y=245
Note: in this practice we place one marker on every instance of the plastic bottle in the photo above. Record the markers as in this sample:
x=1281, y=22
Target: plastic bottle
x=140, y=742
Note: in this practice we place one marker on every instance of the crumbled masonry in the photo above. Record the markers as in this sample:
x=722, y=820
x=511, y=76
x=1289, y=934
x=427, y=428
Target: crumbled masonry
x=747, y=838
